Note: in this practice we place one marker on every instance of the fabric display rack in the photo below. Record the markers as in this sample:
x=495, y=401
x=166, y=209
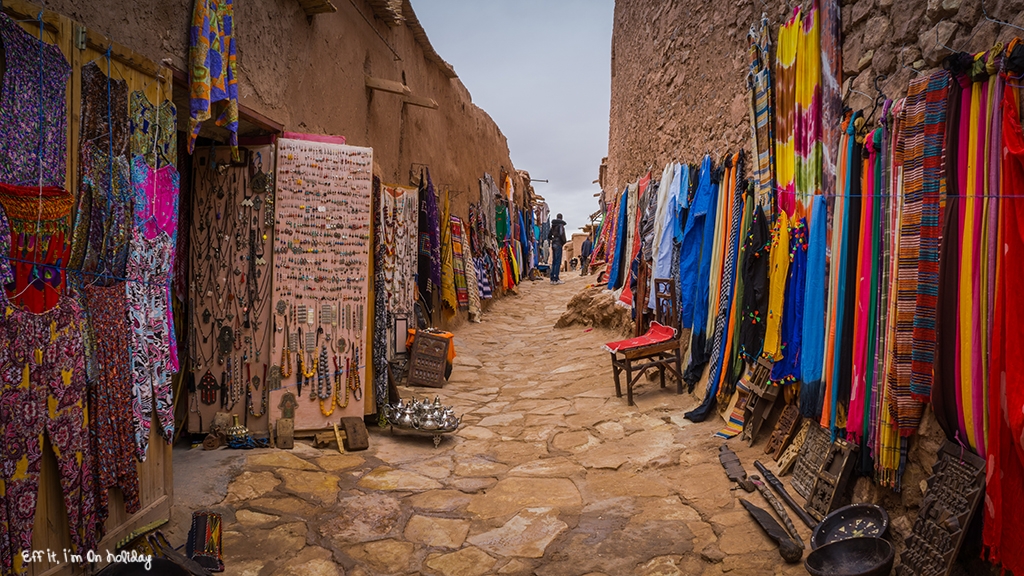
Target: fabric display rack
x=88, y=227
x=867, y=292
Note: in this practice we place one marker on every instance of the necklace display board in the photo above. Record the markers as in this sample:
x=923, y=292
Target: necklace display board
x=399, y=218
x=230, y=278
x=321, y=281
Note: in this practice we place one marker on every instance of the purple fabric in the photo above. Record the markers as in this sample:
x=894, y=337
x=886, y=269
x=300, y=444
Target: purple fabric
x=33, y=118
x=434, y=219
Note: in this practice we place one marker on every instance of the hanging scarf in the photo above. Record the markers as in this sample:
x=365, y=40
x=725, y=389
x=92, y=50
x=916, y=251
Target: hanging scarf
x=459, y=263
x=785, y=111
x=619, y=241
x=813, y=330
x=213, y=70
x=1004, y=492
x=448, y=297
x=690, y=246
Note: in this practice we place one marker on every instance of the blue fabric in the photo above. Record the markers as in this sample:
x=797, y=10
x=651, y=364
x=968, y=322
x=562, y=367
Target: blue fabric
x=525, y=263
x=614, y=273
x=663, y=265
x=720, y=356
x=556, y=262
x=703, y=287
x=812, y=353
x=787, y=370
x=692, y=244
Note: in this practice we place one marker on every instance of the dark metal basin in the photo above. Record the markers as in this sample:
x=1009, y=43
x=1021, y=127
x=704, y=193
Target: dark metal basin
x=853, y=521
x=853, y=557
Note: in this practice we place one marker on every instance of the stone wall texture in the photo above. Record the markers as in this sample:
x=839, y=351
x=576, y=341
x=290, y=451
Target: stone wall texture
x=678, y=91
x=307, y=74
x=679, y=67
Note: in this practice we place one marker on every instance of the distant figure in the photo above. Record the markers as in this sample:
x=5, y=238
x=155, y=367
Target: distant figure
x=557, y=238
x=585, y=251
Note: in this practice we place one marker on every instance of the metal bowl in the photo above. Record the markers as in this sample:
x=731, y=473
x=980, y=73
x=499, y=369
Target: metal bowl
x=853, y=557
x=853, y=521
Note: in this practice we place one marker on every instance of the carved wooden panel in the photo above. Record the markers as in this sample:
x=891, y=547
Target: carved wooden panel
x=954, y=491
x=429, y=354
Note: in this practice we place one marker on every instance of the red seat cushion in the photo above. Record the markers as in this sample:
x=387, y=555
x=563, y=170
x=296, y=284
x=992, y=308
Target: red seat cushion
x=655, y=335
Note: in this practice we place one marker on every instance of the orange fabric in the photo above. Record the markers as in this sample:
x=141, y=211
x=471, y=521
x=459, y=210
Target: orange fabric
x=451, y=342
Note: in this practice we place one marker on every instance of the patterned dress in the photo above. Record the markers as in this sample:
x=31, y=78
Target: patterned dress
x=150, y=263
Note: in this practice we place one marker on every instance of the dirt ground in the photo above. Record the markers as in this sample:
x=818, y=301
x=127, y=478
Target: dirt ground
x=549, y=474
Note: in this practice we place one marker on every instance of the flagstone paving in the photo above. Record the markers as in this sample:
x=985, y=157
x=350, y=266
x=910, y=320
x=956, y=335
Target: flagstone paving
x=550, y=474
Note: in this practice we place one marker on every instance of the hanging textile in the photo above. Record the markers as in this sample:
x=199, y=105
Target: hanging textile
x=483, y=278
x=459, y=263
x=778, y=274
x=733, y=190
x=923, y=130
x=150, y=263
x=472, y=286
x=1004, y=494
x=33, y=119
x=213, y=75
x=761, y=121
x=787, y=370
x=615, y=276
x=700, y=352
x=448, y=298
x=785, y=111
x=813, y=330
x=40, y=230
x=807, y=128
x=690, y=248
x=429, y=260
x=755, y=279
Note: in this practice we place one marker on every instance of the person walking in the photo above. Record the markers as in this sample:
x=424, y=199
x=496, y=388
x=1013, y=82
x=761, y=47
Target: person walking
x=557, y=238
x=585, y=251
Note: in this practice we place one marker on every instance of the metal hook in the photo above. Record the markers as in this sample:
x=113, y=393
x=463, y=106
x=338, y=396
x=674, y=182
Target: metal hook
x=991, y=19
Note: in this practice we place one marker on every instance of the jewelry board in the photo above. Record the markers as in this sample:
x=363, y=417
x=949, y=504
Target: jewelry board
x=230, y=286
x=321, y=280
x=396, y=237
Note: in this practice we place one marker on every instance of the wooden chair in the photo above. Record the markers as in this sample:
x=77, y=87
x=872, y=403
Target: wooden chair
x=660, y=347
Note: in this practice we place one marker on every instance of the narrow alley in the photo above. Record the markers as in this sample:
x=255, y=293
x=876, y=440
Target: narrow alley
x=550, y=474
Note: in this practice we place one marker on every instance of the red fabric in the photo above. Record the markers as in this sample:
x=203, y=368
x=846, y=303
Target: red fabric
x=1004, y=498
x=656, y=335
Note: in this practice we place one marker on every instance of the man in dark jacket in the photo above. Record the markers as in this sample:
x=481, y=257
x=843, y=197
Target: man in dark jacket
x=557, y=238
x=585, y=252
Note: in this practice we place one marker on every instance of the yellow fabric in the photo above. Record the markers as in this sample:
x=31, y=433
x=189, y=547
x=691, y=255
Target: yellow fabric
x=778, y=272
x=785, y=154
x=448, y=297
x=966, y=296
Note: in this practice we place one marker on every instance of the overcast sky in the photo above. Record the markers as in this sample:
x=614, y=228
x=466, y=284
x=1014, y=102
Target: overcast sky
x=542, y=70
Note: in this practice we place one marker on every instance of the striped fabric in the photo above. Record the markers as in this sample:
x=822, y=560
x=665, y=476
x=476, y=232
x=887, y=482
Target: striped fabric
x=933, y=190
x=734, y=424
x=761, y=112
x=920, y=152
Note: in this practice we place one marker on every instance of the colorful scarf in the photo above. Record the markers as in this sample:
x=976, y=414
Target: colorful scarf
x=448, y=297
x=459, y=263
x=213, y=70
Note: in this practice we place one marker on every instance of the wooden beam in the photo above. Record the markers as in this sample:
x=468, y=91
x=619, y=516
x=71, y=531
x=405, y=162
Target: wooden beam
x=100, y=43
x=387, y=86
x=312, y=7
x=421, y=101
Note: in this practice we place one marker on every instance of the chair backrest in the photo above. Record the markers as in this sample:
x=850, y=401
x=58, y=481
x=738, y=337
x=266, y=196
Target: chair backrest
x=665, y=302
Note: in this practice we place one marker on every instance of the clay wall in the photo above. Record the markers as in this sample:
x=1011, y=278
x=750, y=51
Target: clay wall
x=679, y=67
x=307, y=74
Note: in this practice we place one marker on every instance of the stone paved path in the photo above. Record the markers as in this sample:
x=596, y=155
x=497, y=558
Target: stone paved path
x=550, y=474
